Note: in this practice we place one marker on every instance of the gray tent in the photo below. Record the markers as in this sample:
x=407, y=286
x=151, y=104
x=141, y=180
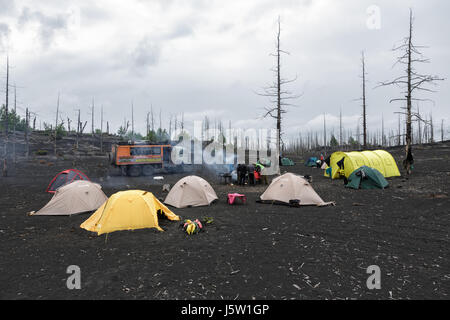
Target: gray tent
x=292, y=188
x=191, y=191
x=77, y=197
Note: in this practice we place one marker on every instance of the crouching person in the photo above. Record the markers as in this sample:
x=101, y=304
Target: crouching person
x=261, y=172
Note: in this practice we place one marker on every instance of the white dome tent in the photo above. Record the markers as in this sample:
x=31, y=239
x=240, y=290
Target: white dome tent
x=191, y=191
x=74, y=198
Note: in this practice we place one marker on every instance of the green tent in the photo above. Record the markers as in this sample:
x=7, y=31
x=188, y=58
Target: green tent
x=265, y=162
x=366, y=178
x=287, y=162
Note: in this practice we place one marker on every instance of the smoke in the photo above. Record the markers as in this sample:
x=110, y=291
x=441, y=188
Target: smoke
x=225, y=149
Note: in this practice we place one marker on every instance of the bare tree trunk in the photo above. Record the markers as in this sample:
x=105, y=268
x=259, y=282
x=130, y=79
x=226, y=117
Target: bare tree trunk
x=411, y=82
x=340, y=128
x=92, y=115
x=78, y=128
x=279, y=88
x=364, y=101
x=56, y=123
x=152, y=119
x=278, y=94
x=431, y=129
x=148, y=125
x=14, y=125
x=324, y=132
x=27, y=150
x=5, y=153
x=101, y=130
x=132, y=122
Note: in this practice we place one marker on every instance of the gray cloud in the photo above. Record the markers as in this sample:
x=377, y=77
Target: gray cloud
x=4, y=35
x=48, y=25
x=146, y=54
x=181, y=30
x=211, y=56
x=7, y=6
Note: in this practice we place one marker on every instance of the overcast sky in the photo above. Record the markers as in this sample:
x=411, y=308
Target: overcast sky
x=205, y=57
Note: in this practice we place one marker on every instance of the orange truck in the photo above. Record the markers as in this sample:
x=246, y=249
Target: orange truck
x=142, y=158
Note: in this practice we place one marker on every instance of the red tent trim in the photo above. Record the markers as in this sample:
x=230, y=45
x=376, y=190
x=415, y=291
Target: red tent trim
x=78, y=174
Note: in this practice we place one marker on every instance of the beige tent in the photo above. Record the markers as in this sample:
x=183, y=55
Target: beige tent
x=291, y=187
x=77, y=197
x=191, y=191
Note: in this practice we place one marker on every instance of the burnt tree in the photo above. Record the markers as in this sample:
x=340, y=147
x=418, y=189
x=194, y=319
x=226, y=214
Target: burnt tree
x=411, y=82
x=279, y=97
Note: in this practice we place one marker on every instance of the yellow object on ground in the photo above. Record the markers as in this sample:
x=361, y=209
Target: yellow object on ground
x=378, y=159
x=128, y=210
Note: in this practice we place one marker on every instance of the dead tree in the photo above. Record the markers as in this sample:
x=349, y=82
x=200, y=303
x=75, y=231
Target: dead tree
x=152, y=118
x=80, y=128
x=340, y=128
x=411, y=82
x=14, y=125
x=92, y=115
x=56, y=123
x=27, y=120
x=431, y=129
x=101, y=130
x=148, y=125
x=419, y=127
x=364, y=115
x=5, y=153
x=324, y=132
x=132, y=121
x=279, y=97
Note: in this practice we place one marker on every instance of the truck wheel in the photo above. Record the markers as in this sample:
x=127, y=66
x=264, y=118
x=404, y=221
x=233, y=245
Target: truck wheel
x=134, y=171
x=148, y=170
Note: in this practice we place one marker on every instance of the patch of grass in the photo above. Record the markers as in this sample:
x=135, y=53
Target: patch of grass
x=41, y=152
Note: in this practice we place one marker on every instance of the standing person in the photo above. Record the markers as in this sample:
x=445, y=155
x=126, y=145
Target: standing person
x=260, y=169
x=241, y=173
x=251, y=174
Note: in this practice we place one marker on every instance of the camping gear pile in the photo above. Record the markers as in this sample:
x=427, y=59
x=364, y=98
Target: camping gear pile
x=192, y=227
x=233, y=196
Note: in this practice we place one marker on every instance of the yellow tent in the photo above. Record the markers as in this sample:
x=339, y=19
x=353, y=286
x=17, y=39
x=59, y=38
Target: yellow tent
x=128, y=210
x=378, y=159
